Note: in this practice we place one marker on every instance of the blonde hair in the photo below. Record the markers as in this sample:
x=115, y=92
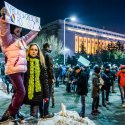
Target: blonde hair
x=40, y=54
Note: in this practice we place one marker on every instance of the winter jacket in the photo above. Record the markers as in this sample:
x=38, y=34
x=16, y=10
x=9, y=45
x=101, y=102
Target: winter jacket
x=95, y=84
x=121, y=76
x=107, y=77
x=82, y=84
x=49, y=65
x=113, y=71
x=14, y=48
x=63, y=71
x=38, y=96
x=69, y=76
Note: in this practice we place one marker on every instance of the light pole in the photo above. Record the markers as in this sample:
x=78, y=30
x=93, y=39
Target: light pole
x=73, y=19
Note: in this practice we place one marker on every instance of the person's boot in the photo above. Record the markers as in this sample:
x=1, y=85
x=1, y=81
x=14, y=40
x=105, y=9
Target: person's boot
x=53, y=105
x=20, y=116
x=34, y=113
x=6, y=116
x=97, y=111
x=104, y=105
x=50, y=115
x=94, y=113
x=41, y=112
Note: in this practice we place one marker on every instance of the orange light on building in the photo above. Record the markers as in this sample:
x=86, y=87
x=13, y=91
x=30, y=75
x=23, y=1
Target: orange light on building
x=91, y=45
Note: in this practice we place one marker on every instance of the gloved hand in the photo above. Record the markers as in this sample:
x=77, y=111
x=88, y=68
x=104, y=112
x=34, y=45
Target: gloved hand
x=46, y=100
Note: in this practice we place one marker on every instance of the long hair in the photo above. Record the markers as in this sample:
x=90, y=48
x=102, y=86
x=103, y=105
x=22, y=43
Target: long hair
x=40, y=54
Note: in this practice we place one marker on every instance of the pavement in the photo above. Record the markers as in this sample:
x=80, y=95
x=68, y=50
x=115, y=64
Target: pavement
x=113, y=114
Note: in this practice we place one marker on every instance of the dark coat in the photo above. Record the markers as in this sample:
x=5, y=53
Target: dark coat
x=38, y=96
x=107, y=77
x=95, y=84
x=49, y=65
x=82, y=84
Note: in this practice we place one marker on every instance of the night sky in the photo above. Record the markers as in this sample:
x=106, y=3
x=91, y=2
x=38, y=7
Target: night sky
x=104, y=14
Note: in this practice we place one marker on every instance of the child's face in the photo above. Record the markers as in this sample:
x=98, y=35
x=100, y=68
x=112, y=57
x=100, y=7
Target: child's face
x=17, y=31
x=33, y=51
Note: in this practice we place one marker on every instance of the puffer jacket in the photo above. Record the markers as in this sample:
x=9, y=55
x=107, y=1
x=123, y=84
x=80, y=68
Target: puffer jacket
x=14, y=49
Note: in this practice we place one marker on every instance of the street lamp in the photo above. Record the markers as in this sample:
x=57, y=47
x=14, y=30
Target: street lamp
x=72, y=19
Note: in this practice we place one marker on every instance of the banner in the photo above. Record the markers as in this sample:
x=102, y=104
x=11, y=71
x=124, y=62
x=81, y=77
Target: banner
x=21, y=19
x=84, y=61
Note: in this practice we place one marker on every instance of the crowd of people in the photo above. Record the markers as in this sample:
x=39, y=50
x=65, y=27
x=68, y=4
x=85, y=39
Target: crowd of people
x=101, y=82
x=32, y=75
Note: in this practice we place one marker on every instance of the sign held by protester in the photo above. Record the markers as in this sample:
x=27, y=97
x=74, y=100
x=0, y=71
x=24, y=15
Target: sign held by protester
x=84, y=61
x=17, y=17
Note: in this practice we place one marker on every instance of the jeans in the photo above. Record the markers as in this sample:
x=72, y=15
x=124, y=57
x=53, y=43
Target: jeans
x=95, y=103
x=34, y=110
x=46, y=105
x=41, y=110
x=82, y=113
x=122, y=91
x=105, y=94
x=18, y=96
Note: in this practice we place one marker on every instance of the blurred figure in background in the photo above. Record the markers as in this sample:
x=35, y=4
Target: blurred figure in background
x=82, y=87
x=95, y=90
x=108, y=80
x=121, y=81
x=49, y=65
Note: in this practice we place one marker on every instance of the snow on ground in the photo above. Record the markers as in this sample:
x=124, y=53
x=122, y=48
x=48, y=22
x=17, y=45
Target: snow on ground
x=64, y=117
x=71, y=118
x=3, y=91
x=4, y=95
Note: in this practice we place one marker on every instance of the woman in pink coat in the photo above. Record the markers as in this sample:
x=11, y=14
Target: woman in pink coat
x=14, y=48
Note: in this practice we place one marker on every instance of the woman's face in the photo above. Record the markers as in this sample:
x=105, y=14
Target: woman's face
x=107, y=69
x=33, y=52
x=17, y=31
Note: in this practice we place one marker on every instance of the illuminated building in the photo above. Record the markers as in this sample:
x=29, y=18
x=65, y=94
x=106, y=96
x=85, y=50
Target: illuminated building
x=81, y=38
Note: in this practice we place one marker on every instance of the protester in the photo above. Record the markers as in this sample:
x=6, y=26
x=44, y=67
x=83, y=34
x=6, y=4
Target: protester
x=113, y=71
x=14, y=48
x=63, y=73
x=69, y=79
x=95, y=90
x=56, y=74
x=108, y=80
x=49, y=65
x=121, y=75
x=35, y=81
x=82, y=87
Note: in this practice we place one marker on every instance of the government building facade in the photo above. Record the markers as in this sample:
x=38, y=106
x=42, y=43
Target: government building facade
x=80, y=37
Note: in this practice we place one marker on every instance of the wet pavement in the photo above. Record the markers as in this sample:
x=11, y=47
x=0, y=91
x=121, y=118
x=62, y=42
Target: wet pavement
x=113, y=114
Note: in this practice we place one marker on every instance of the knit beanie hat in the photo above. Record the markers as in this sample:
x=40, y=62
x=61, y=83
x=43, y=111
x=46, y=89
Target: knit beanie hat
x=96, y=69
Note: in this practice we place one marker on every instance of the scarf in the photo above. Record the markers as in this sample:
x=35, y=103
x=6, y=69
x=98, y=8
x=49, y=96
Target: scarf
x=34, y=79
